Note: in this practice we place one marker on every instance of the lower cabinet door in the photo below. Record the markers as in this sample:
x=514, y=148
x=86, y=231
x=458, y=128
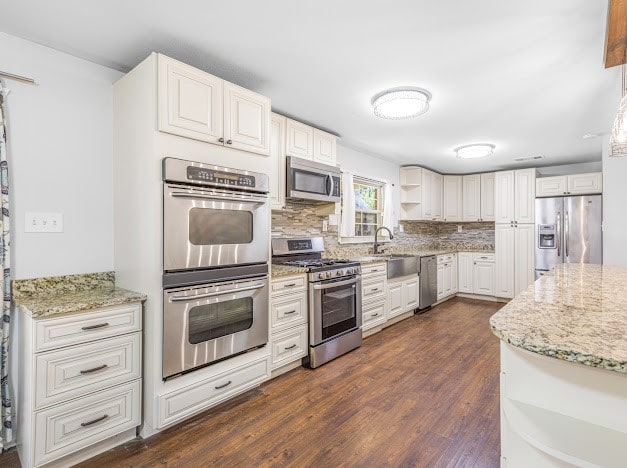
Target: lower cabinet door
x=465, y=269
x=289, y=346
x=411, y=294
x=484, y=278
x=395, y=299
x=440, y=281
x=68, y=427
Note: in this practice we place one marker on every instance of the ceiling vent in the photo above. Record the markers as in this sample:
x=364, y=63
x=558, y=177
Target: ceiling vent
x=529, y=158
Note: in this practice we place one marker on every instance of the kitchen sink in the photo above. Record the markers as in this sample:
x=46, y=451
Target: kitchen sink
x=401, y=264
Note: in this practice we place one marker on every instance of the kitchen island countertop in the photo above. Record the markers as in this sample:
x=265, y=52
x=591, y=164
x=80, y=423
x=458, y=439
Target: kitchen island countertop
x=576, y=313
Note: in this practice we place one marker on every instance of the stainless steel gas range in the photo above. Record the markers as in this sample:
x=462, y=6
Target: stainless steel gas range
x=334, y=297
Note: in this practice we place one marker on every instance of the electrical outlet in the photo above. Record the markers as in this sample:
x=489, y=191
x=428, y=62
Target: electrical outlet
x=43, y=222
x=401, y=228
x=459, y=228
x=325, y=225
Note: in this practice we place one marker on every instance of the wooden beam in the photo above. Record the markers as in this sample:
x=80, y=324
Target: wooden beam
x=616, y=38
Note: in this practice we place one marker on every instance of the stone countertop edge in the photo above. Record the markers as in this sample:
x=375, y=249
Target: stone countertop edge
x=70, y=294
x=575, y=313
x=286, y=270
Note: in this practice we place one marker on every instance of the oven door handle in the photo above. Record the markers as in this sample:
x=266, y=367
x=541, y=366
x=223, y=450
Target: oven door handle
x=255, y=200
x=216, y=293
x=338, y=283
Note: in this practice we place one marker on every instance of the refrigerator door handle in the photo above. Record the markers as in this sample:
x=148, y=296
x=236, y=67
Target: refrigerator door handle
x=559, y=233
x=566, y=232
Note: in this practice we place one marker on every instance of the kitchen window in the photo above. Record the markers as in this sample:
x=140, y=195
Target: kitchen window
x=368, y=206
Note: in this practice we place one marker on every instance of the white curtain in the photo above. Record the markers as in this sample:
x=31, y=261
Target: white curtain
x=388, y=209
x=347, y=225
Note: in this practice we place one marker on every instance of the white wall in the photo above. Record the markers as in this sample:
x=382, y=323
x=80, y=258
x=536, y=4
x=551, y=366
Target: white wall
x=614, y=209
x=566, y=169
x=60, y=158
x=361, y=164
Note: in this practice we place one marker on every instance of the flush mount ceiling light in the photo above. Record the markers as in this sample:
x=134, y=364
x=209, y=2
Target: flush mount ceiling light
x=401, y=103
x=478, y=150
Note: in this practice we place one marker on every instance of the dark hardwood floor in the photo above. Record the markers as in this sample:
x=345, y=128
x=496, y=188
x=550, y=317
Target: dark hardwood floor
x=423, y=392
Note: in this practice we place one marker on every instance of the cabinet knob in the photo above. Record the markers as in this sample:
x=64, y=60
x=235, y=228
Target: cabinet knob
x=228, y=142
x=221, y=140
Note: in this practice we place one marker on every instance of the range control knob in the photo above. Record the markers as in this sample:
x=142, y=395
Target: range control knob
x=338, y=273
x=328, y=274
x=320, y=275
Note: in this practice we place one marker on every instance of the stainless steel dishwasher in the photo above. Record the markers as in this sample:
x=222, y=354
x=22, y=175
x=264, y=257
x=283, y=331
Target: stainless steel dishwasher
x=428, y=282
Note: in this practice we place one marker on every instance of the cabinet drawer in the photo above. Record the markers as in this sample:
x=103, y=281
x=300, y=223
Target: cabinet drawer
x=373, y=314
x=192, y=399
x=71, y=426
x=289, y=346
x=483, y=257
x=288, y=311
x=373, y=269
x=72, y=372
x=80, y=328
x=284, y=285
x=373, y=289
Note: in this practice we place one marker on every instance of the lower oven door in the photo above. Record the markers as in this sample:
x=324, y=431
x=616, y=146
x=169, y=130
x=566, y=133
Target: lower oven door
x=336, y=308
x=206, y=323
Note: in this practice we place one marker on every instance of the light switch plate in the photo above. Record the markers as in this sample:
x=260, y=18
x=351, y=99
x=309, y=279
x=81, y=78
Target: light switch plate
x=43, y=222
x=325, y=225
x=459, y=228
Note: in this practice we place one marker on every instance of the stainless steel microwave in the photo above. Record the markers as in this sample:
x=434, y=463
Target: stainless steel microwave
x=312, y=181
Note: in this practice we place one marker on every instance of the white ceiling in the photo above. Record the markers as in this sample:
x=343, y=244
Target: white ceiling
x=527, y=76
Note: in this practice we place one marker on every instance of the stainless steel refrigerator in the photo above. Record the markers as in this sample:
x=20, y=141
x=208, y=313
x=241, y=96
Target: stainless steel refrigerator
x=568, y=230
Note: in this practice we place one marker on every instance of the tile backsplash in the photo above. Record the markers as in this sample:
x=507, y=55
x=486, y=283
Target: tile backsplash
x=302, y=220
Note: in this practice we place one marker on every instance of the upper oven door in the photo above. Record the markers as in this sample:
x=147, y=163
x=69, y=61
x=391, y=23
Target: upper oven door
x=206, y=228
x=312, y=181
x=336, y=308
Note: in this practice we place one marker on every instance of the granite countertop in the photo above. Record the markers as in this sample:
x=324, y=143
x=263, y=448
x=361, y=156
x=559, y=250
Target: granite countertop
x=577, y=313
x=64, y=295
x=286, y=270
x=417, y=252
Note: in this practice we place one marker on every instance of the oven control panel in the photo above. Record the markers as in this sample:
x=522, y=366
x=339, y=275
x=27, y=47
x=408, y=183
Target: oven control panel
x=211, y=176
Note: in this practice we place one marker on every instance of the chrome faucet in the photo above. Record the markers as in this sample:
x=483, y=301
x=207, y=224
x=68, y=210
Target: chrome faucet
x=375, y=249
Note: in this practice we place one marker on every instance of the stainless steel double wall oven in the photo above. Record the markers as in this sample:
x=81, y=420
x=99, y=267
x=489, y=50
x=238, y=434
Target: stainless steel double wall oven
x=215, y=263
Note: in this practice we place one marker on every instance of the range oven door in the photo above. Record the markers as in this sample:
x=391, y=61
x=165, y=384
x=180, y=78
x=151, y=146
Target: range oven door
x=209, y=228
x=206, y=323
x=336, y=308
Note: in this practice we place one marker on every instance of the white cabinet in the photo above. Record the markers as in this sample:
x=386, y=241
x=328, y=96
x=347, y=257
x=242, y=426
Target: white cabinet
x=524, y=258
x=421, y=195
x=504, y=197
x=465, y=272
x=431, y=196
x=325, y=147
x=198, y=105
x=288, y=322
x=80, y=383
x=403, y=295
x=277, y=160
x=525, y=196
x=411, y=193
x=447, y=276
x=484, y=275
x=472, y=197
x=452, y=206
x=576, y=184
x=505, y=250
x=487, y=196
x=299, y=140
x=374, y=294
x=436, y=196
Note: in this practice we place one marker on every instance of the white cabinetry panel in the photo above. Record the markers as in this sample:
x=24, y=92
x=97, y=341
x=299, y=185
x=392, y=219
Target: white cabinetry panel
x=524, y=257
x=487, y=196
x=505, y=252
x=452, y=198
x=277, y=161
x=299, y=140
x=246, y=119
x=504, y=197
x=472, y=197
x=525, y=197
x=325, y=147
x=551, y=186
x=583, y=184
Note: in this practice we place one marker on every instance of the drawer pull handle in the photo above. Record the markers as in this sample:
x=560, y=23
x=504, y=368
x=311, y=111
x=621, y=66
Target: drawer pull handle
x=290, y=347
x=94, y=421
x=290, y=312
x=291, y=285
x=374, y=289
x=374, y=270
x=375, y=315
x=218, y=387
x=94, y=369
x=94, y=327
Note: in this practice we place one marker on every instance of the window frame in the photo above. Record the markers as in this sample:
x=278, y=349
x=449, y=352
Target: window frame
x=380, y=186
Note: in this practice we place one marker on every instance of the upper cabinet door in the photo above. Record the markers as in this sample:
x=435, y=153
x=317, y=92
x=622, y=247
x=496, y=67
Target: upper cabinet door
x=551, y=186
x=190, y=101
x=246, y=120
x=504, y=197
x=487, y=196
x=472, y=198
x=299, y=140
x=580, y=184
x=324, y=147
x=277, y=156
x=436, y=196
x=452, y=210
x=427, y=195
x=525, y=198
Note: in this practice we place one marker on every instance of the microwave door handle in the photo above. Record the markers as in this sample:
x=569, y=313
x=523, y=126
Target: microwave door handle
x=333, y=285
x=216, y=293
x=257, y=201
x=329, y=185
